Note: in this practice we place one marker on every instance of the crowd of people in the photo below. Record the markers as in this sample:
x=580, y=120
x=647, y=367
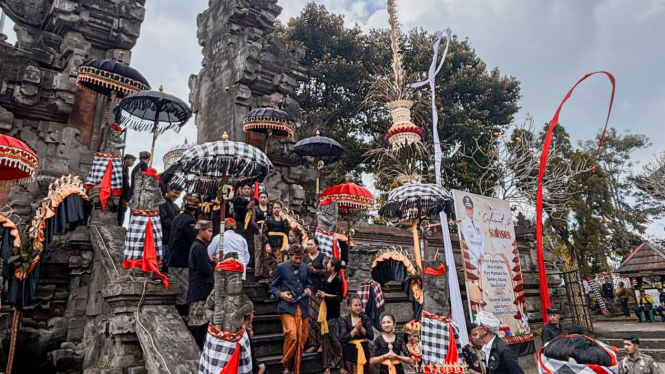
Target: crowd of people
x=309, y=287
x=645, y=310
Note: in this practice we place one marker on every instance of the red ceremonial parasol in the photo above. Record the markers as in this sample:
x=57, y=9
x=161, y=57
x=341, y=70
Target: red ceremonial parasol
x=349, y=196
x=18, y=162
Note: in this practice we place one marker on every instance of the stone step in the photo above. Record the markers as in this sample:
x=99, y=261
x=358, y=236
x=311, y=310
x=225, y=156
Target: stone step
x=652, y=330
x=268, y=344
x=645, y=343
x=311, y=363
x=267, y=324
x=258, y=291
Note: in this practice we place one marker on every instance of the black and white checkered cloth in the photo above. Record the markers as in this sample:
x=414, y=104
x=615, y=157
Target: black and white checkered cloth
x=217, y=353
x=419, y=191
x=364, y=295
x=436, y=340
x=212, y=159
x=99, y=165
x=596, y=291
x=326, y=243
x=135, y=237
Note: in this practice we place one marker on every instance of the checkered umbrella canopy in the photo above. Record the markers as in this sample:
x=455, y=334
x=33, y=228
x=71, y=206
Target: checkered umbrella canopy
x=415, y=200
x=202, y=166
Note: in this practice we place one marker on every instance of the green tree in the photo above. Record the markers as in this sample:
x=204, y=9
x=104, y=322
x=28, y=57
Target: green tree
x=341, y=63
x=633, y=208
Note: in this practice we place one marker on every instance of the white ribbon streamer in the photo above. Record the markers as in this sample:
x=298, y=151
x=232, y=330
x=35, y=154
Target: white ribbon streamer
x=455, y=295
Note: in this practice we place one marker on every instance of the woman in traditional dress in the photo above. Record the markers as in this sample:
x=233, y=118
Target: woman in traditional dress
x=390, y=349
x=264, y=263
x=315, y=261
x=356, y=329
x=243, y=204
x=275, y=230
x=332, y=295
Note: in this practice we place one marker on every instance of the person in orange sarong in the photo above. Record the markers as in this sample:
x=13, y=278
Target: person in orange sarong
x=292, y=285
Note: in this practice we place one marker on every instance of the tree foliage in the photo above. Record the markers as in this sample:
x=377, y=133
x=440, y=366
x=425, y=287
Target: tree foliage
x=341, y=63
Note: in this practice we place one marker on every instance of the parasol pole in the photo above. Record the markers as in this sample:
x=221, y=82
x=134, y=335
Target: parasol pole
x=416, y=243
x=155, y=131
x=222, y=208
x=108, y=107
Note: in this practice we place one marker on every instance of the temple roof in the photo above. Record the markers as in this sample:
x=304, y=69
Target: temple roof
x=645, y=260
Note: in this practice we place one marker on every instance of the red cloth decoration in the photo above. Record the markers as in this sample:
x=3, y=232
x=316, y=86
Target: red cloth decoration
x=233, y=365
x=256, y=190
x=115, y=127
x=149, y=262
x=230, y=265
x=336, y=254
x=151, y=172
x=105, y=185
x=544, y=290
x=441, y=270
x=452, y=357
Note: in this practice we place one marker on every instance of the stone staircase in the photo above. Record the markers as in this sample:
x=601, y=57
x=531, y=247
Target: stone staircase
x=651, y=335
x=268, y=339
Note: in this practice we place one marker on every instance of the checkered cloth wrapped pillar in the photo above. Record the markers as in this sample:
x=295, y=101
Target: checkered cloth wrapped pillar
x=326, y=242
x=438, y=355
x=143, y=243
x=103, y=164
x=220, y=353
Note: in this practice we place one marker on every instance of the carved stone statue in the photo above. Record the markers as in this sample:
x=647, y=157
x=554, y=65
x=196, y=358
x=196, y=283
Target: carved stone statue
x=112, y=140
x=147, y=193
x=437, y=294
x=230, y=312
x=106, y=170
x=143, y=242
x=327, y=217
x=228, y=304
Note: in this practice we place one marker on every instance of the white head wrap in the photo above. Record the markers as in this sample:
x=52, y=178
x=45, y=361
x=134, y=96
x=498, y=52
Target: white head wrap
x=488, y=320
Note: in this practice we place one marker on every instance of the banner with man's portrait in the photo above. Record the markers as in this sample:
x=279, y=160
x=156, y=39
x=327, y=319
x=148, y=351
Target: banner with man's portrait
x=492, y=265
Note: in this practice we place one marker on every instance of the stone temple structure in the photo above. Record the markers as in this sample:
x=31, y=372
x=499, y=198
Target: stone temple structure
x=245, y=67
x=90, y=316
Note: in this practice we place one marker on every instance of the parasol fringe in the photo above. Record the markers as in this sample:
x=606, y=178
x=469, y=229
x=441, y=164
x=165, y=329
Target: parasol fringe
x=412, y=208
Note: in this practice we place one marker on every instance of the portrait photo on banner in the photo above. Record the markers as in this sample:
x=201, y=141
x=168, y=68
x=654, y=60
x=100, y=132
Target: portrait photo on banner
x=491, y=263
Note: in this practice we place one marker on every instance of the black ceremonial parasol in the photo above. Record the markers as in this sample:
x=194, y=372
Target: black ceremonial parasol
x=206, y=167
x=413, y=201
x=156, y=111
x=324, y=150
x=272, y=121
x=112, y=79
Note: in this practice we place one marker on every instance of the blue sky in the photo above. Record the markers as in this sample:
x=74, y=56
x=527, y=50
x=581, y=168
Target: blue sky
x=548, y=46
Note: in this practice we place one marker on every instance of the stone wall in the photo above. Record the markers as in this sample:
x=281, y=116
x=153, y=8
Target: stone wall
x=39, y=101
x=244, y=68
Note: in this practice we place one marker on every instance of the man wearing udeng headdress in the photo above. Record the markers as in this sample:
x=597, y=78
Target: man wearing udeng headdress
x=227, y=348
x=499, y=358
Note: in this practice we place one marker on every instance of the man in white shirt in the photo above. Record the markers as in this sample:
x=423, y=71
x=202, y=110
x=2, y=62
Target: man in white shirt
x=499, y=357
x=233, y=242
x=472, y=234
